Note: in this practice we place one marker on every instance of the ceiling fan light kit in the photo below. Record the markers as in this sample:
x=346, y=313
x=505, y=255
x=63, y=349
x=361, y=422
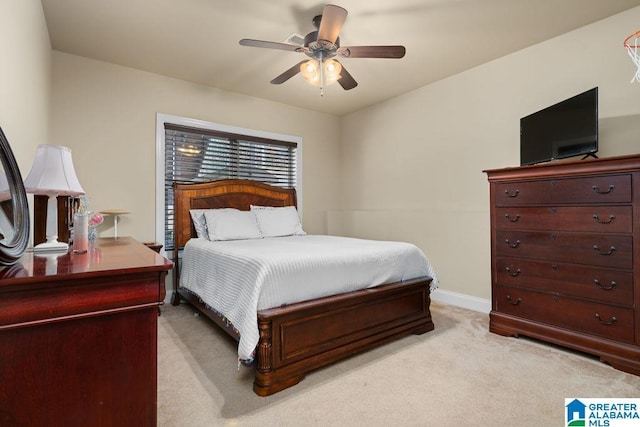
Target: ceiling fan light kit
x=322, y=46
x=321, y=75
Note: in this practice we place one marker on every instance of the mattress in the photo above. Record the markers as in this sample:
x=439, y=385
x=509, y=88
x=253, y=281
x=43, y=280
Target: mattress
x=237, y=278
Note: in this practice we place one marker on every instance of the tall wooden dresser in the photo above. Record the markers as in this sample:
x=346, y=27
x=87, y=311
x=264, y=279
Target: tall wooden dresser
x=78, y=337
x=565, y=256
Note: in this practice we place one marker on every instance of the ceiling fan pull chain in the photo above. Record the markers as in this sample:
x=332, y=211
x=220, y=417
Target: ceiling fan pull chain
x=321, y=77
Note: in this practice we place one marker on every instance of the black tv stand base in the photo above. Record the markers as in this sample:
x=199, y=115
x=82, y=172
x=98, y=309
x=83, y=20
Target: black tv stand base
x=590, y=155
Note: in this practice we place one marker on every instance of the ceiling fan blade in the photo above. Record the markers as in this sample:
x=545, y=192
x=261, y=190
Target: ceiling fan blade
x=372, y=51
x=273, y=45
x=288, y=74
x=346, y=80
x=333, y=18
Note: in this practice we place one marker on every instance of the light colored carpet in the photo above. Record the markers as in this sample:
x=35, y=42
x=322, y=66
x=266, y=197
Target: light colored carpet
x=458, y=374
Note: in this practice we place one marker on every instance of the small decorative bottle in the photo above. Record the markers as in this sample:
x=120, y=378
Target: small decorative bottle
x=81, y=228
x=80, y=232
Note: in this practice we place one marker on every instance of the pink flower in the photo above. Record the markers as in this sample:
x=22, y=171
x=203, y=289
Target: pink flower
x=96, y=219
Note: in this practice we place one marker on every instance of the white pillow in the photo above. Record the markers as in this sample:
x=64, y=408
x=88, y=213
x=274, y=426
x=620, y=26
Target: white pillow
x=231, y=224
x=278, y=221
x=199, y=222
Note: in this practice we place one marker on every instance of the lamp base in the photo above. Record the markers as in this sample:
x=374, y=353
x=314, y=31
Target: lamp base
x=54, y=246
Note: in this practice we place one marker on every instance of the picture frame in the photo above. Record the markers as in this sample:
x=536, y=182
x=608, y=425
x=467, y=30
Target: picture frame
x=14, y=208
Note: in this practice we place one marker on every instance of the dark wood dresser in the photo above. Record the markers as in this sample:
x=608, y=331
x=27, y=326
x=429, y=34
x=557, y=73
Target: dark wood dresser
x=565, y=256
x=78, y=337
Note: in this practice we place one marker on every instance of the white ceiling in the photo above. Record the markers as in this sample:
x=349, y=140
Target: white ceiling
x=197, y=40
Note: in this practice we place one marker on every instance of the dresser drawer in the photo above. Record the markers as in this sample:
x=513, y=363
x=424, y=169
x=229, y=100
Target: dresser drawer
x=598, y=219
x=611, y=322
x=523, y=193
x=614, y=251
x=596, y=189
x=598, y=284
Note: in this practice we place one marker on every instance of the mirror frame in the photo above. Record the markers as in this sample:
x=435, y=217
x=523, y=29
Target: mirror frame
x=11, y=251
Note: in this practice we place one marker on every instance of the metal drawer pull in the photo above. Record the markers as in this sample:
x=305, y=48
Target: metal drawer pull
x=514, y=219
x=599, y=221
x=515, y=194
x=515, y=245
x=597, y=249
x=597, y=190
x=604, y=322
x=518, y=301
x=514, y=274
x=605, y=288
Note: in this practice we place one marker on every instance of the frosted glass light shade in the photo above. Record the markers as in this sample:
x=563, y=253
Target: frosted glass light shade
x=311, y=72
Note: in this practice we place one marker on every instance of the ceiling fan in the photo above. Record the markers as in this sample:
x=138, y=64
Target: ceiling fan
x=322, y=46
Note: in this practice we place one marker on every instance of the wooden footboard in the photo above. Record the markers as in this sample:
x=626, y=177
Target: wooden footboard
x=302, y=337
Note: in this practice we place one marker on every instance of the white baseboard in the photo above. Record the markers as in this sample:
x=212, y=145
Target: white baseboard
x=461, y=300
x=168, y=297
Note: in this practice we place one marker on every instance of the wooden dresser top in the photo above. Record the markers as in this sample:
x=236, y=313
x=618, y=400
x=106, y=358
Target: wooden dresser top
x=109, y=256
x=559, y=169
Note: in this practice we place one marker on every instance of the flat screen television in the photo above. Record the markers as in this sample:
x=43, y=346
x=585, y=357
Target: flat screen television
x=566, y=129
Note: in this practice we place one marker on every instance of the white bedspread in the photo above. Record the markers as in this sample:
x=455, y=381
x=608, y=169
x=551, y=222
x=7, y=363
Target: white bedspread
x=237, y=278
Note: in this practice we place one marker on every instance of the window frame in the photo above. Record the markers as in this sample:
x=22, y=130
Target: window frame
x=162, y=118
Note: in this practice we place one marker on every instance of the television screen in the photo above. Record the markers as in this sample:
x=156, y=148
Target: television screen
x=566, y=129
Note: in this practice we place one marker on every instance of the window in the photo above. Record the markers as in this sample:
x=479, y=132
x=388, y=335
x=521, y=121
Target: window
x=197, y=152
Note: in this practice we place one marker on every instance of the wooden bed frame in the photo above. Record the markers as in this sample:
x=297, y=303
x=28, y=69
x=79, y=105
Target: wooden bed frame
x=299, y=338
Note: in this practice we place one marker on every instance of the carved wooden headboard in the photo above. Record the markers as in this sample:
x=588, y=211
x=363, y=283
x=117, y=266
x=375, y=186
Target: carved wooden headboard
x=226, y=193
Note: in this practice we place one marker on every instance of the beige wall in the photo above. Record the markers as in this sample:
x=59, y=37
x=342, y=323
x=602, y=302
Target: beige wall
x=412, y=166
x=406, y=169
x=24, y=78
x=107, y=115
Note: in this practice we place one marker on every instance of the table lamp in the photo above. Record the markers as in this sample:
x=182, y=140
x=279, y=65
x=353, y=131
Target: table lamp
x=52, y=175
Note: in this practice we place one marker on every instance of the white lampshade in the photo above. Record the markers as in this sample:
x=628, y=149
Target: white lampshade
x=52, y=174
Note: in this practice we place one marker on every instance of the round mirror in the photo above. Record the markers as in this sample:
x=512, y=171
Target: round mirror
x=14, y=210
